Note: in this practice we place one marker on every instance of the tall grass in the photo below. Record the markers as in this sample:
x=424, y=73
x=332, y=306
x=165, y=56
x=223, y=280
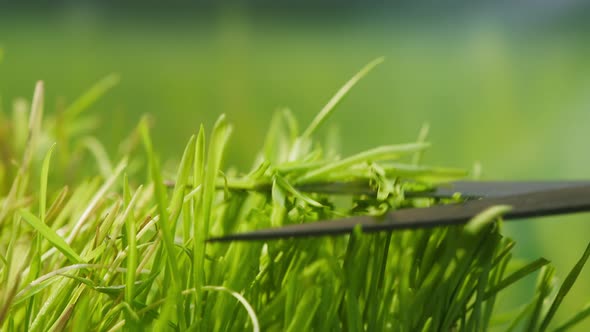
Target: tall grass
x=124, y=247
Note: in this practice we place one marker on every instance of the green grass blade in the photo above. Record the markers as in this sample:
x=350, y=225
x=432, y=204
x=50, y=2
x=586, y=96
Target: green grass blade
x=57, y=241
x=184, y=170
x=35, y=267
x=305, y=312
x=543, y=291
x=516, y=276
x=337, y=98
x=565, y=288
x=273, y=149
x=100, y=155
x=34, y=131
x=289, y=188
x=388, y=152
x=577, y=318
x=243, y=302
x=166, y=314
x=520, y=317
x=131, y=234
x=173, y=278
x=43, y=184
x=219, y=138
x=96, y=199
x=20, y=109
x=291, y=124
x=199, y=158
x=198, y=227
x=144, y=131
x=35, y=121
x=45, y=281
x=91, y=96
x=485, y=218
x=57, y=204
x=422, y=135
x=164, y=222
x=428, y=325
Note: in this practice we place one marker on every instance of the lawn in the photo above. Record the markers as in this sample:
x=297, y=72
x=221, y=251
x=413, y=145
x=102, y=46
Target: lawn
x=510, y=99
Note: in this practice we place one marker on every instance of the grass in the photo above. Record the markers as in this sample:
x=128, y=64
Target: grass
x=123, y=248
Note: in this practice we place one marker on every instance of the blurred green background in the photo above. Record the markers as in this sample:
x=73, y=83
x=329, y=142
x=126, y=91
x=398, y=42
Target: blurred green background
x=507, y=85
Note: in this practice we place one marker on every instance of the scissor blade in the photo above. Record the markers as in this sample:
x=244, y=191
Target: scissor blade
x=489, y=189
x=535, y=204
x=467, y=189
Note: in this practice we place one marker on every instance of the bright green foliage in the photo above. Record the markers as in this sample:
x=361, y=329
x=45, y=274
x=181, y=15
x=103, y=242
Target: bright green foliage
x=127, y=250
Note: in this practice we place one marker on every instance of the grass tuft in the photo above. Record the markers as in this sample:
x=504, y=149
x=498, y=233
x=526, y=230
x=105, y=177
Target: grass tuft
x=123, y=247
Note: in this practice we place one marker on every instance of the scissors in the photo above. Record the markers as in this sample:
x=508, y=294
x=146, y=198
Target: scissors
x=528, y=199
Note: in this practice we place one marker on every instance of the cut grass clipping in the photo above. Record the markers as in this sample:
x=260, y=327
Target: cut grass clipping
x=125, y=248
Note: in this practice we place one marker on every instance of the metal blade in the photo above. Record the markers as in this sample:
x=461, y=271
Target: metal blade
x=480, y=189
x=467, y=189
x=535, y=204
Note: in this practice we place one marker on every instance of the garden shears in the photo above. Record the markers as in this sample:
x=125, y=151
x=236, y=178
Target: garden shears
x=527, y=199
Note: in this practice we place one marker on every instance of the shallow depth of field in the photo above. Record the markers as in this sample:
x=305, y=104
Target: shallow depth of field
x=504, y=88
